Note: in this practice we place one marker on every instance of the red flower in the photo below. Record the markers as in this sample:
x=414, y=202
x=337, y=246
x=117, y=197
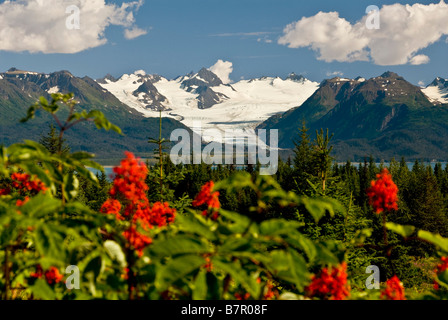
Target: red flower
x=52, y=275
x=20, y=203
x=162, y=214
x=129, y=202
x=331, y=284
x=130, y=179
x=125, y=274
x=239, y=296
x=270, y=293
x=211, y=199
x=23, y=181
x=112, y=206
x=4, y=192
x=38, y=274
x=383, y=193
x=137, y=240
x=394, y=290
x=441, y=267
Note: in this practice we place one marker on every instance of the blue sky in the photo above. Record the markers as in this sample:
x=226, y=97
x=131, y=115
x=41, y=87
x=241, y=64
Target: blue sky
x=186, y=35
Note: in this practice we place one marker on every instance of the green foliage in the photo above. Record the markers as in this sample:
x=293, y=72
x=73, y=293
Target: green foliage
x=270, y=232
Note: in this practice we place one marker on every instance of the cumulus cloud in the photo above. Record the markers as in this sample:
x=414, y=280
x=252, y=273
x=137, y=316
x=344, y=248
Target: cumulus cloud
x=222, y=69
x=419, y=59
x=57, y=26
x=404, y=31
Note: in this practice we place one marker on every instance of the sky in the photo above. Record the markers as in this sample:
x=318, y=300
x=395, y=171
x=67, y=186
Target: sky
x=239, y=39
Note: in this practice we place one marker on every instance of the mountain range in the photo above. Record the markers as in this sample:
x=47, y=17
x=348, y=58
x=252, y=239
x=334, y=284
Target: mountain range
x=20, y=89
x=385, y=116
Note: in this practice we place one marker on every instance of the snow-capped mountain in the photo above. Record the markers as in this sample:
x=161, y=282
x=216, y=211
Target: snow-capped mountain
x=203, y=99
x=437, y=91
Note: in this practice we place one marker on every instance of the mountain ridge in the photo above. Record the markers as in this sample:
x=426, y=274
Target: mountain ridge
x=384, y=115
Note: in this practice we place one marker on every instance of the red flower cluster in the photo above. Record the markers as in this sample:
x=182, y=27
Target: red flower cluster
x=270, y=293
x=52, y=275
x=211, y=199
x=208, y=263
x=394, y=290
x=20, y=203
x=137, y=240
x=240, y=296
x=331, y=284
x=112, y=206
x=441, y=267
x=129, y=202
x=23, y=181
x=162, y=214
x=5, y=192
x=383, y=193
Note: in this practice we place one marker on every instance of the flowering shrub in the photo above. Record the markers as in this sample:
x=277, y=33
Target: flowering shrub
x=136, y=249
x=394, y=290
x=331, y=284
x=52, y=275
x=129, y=187
x=210, y=199
x=383, y=193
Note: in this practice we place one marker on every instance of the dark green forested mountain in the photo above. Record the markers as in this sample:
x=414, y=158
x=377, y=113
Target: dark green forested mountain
x=19, y=89
x=385, y=116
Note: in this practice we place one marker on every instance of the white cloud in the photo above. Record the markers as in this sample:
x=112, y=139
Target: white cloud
x=222, y=69
x=41, y=25
x=419, y=59
x=404, y=31
x=335, y=74
x=134, y=33
x=265, y=40
x=421, y=84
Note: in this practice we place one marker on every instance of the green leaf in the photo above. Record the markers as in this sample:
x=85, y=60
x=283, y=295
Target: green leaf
x=240, y=223
x=214, y=287
x=443, y=278
x=235, y=270
x=324, y=255
x=231, y=245
x=278, y=226
x=40, y=206
x=180, y=244
x=49, y=241
x=435, y=239
x=177, y=269
x=301, y=242
x=200, y=286
x=71, y=186
x=404, y=231
x=42, y=290
x=289, y=266
x=194, y=223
